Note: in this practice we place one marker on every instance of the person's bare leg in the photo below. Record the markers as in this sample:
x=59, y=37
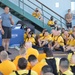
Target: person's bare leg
x=7, y=44
x=4, y=43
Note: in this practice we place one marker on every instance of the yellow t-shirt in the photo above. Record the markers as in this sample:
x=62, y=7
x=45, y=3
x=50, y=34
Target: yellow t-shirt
x=16, y=62
x=41, y=56
x=41, y=34
x=50, y=23
x=36, y=15
x=59, y=39
x=32, y=40
x=20, y=72
x=70, y=56
x=6, y=67
x=57, y=62
x=47, y=38
x=71, y=42
x=32, y=51
x=37, y=68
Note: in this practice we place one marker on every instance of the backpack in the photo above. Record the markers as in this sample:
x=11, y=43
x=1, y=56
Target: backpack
x=52, y=63
x=29, y=73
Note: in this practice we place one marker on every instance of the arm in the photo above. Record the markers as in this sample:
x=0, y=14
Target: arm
x=1, y=26
x=12, y=22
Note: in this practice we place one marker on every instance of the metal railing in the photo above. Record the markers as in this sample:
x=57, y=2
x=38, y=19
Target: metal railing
x=60, y=19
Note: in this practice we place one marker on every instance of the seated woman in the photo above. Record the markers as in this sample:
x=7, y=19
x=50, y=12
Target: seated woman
x=26, y=33
x=42, y=34
x=51, y=22
x=37, y=14
x=30, y=38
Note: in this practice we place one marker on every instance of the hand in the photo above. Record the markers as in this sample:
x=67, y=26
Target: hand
x=10, y=17
x=2, y=31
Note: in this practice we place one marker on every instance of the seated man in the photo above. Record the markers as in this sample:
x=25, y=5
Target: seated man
x=72, y=64
x=58, y=38
x=6, y=67
x=43, y=41
x=22, y=53
x=36, y=13
x=22, y=64
x=71, y=53
x=30, y=50
x=36, y=66
x=47, y=70
x=64, y=66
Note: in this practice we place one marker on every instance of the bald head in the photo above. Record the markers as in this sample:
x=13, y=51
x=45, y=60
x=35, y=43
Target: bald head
x=28, y=45
x=4, y=55
x=22, y=51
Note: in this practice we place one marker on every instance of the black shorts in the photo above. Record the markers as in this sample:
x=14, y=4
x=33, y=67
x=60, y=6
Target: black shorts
x=69, y=25
x=7, y=32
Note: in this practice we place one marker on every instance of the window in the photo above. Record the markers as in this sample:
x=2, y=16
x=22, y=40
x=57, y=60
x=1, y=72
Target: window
x=73, y=7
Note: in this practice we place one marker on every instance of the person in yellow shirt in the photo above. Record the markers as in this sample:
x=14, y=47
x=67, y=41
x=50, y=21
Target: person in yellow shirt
x=51, y=61
x=51, y=22
x=71, y=40
x=43, y=54
x=26, y=33
x=30, y=38
x=71, y=53
x=43, y=41
x=47, y=70
x=6, y=67
x=36, y=13
x=22, y=53
x=64, y=67
x=36, y=66
x=72, y=63
x=22, y=64
x=30, y=50
x=42, y=34
x=65, y=36
x=58, y=38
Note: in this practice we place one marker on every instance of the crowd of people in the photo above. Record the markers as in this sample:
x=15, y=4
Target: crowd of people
x=30, y=61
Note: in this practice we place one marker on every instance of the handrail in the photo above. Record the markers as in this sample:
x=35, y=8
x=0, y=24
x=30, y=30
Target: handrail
x=48, y=13
x=40, y=8
x=50, y=9
x=44, y=17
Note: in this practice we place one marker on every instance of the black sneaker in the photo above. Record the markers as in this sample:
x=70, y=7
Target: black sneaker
x=8, y=53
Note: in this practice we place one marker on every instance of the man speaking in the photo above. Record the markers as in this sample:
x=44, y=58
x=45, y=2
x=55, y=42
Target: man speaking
x=5, y=27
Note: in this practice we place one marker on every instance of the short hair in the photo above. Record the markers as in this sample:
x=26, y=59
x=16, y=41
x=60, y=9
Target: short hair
x=22, y=51
x=69, y=10
x=64, y=63
x=32, y=58
x=22, y=63
x=6, y=7
x=46, y=69
x=49, y=52
x=4, y=55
